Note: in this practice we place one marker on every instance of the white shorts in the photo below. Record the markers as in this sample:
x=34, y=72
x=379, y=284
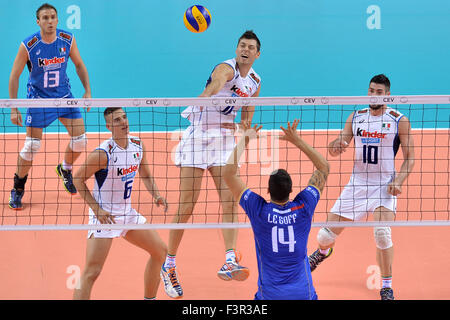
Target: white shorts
x=204, y=149
x=356, y=201
x=133, y=217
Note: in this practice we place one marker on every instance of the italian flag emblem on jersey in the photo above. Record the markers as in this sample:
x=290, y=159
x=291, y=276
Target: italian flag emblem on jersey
x=386, y=126
x=136, y=155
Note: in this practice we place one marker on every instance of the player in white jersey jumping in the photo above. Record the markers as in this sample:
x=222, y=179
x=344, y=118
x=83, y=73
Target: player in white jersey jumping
x=115, y=164
x=374, y=185
x=206, y=145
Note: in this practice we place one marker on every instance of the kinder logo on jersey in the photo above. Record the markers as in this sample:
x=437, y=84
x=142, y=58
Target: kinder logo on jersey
x=125, y=171
x=53, y=61
x=367, y=134
x=238, y=91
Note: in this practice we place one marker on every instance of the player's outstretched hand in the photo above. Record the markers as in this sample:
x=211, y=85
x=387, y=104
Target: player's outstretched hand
x=16, y=117
x=161, y=201
x=250, y=132
x=290, y=133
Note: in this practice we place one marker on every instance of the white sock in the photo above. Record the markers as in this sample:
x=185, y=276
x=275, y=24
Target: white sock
x=66, y=166
x=386, y=282
x=230, y=255
x=324, y=251
x=170, y=261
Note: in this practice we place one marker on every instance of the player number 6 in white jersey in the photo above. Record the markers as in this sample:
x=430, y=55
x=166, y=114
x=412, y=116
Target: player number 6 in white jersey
x=278, y=238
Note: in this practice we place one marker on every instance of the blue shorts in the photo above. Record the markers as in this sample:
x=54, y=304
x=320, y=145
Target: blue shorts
x=294, y=296
x=43, y=117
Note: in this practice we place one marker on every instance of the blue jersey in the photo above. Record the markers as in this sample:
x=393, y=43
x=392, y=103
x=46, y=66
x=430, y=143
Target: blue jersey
x=47, y=63
x=281, y=237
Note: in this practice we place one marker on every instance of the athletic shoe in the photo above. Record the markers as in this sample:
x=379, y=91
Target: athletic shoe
x=387, y=294
x=233, y=271
x=316, y=258
x=171, y=285
x=15, y=199
x=66, y=176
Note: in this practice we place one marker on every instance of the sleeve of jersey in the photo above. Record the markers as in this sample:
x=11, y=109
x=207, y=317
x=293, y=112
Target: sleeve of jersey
x=310, y=196
x=251, y=203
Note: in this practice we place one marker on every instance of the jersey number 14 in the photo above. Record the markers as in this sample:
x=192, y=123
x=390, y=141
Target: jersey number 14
x=278, y=238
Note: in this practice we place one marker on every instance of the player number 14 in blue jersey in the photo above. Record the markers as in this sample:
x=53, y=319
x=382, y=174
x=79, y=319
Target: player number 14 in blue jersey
x=278, y=238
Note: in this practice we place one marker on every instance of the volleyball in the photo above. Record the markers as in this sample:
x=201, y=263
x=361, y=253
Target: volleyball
x=197, y=19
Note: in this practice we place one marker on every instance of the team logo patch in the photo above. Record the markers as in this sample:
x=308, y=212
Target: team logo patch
x=135, y=141
x=395, y=114
x=32, y=41
x=65, y=36
x=254, y=77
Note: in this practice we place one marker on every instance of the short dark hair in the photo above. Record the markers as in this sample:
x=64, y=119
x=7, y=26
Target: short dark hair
x=43, y=7
x=280, y=185
x=110, y=110
x=249, y=34
x=381, y=79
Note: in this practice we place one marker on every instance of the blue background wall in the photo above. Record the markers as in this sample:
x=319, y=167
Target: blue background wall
x=141, y=48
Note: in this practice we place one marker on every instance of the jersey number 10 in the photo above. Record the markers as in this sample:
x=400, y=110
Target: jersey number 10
x=370, y=154
x=278, y=238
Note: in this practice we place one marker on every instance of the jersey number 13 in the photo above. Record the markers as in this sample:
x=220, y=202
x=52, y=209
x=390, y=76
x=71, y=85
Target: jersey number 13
x=51, y=79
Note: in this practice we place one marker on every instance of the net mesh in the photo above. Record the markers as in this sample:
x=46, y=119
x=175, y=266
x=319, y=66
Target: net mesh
x=157, y=121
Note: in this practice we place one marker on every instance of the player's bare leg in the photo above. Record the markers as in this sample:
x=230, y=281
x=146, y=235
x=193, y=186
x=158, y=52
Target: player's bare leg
x=97, y=250
x=231, y=270
x=76, y=130
x=190, y=184
x=150, y=241
x=384, y=255
x=31, y=146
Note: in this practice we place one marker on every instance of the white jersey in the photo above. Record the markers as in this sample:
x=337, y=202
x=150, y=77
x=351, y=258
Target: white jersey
x=376, y=145
x=237, y=87
x=113, y=185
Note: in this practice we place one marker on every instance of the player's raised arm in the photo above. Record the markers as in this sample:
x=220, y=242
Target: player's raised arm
x=340, y=144
x=96, y=161
x=247, y=112
x=319, y=177
x=221, y=74
x=149, y=182
x=234, y=182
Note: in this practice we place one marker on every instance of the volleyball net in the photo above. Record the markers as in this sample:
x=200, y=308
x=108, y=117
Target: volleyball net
x=424, y=201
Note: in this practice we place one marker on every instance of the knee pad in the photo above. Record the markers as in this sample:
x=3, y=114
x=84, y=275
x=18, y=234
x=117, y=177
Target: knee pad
x=78, y=144
x=383, y=237
x=326, y=237
x=30, y=148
